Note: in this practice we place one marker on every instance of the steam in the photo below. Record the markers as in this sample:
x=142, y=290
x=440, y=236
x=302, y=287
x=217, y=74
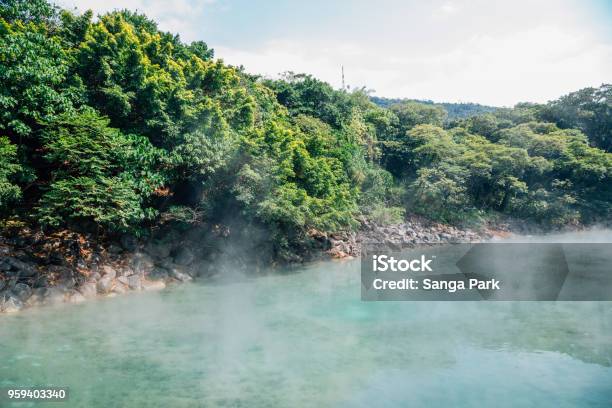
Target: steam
x=304, y=339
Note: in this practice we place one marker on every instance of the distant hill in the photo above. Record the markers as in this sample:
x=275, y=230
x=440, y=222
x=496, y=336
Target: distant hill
x=454, y=110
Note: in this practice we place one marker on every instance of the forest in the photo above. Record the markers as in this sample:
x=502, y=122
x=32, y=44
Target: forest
x=109, y=125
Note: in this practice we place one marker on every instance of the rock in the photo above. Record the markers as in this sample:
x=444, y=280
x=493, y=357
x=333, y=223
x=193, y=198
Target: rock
x=10, y=304
x=22, y=291
x=105, y=284
x=134, y=282
x=158, y=249
x=114, y=249
x=108, y=271
x=123, y=279
x=177, y=274
x=74, y=296
x=88, y=289
x=126, y=271
x=142, y=263
x=337, y=253
x=153, y=285
x=159, y=273
x=41, y=282
x=128, y=242
x=53, y=296
x=184, y=256
x=66, y=282
x=119, y=289
x=5, y=266
x=21, y=268
x=38, y=295
x=2, y=285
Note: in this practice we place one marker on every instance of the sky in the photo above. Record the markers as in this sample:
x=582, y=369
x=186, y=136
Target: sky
x=485, y=51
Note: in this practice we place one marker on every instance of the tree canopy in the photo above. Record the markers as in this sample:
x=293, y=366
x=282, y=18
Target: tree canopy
x=110, y=124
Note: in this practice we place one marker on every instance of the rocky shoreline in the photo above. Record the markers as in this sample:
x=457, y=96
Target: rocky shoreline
x=413, y=232
x=67, y=267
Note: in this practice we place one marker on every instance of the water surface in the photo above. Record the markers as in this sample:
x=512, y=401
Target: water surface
x=306, y=339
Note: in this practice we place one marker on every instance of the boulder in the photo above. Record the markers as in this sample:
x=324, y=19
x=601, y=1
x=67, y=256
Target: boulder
x=153, y=285
x=38, y=295
x=88, y=289
x=10, y=304
x=18, y=267
x=105, y=284
x=142, y=263
x=22, y=291
x=119, y=289
x=128, y=242
x=108, y=271
x=74, y=296
x=179, y=275
x=184, y=256
x=53, y=295
x=159, y=273
x=158, y=249
x=114, y=249
x=134, y=282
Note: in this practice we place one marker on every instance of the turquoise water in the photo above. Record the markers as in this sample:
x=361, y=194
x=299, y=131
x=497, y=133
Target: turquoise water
x=305, y=339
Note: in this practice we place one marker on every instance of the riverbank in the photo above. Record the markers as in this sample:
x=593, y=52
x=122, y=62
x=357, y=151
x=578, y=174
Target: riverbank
x=71, y=267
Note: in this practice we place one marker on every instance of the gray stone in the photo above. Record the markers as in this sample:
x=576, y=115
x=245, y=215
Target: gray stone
x=10, y=304
x=2, y=285
x=5, y=266
x=123, y=279
x=134, y=282
x=108, y=271
x=182, y=276
x=126, y=271
x=23, y=269
x=114, y=249
x=159, y=273
x=88, y=289
x=119, y=289
x=105, y=284
x=53, y=295
x=22, y=291
x=74, y=296
x=66, y=282
x=41, y=282
x=158, y=250
x=128, y=242
x=184, y=256
x=142, y=263
x=153, y=285
x=37, y=298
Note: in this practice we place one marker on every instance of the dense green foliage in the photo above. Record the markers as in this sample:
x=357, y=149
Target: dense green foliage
x=111, y=125
x=453, y=110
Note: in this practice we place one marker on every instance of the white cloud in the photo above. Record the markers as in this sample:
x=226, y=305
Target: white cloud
x=536, y=64
x=448, y=8
x=176, y=16
x=494, y=52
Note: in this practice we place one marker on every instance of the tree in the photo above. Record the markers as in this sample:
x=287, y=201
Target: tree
x=589, y=109
x=36, y=11
x=9, y=191
x=99, y=174
x=411, y=114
